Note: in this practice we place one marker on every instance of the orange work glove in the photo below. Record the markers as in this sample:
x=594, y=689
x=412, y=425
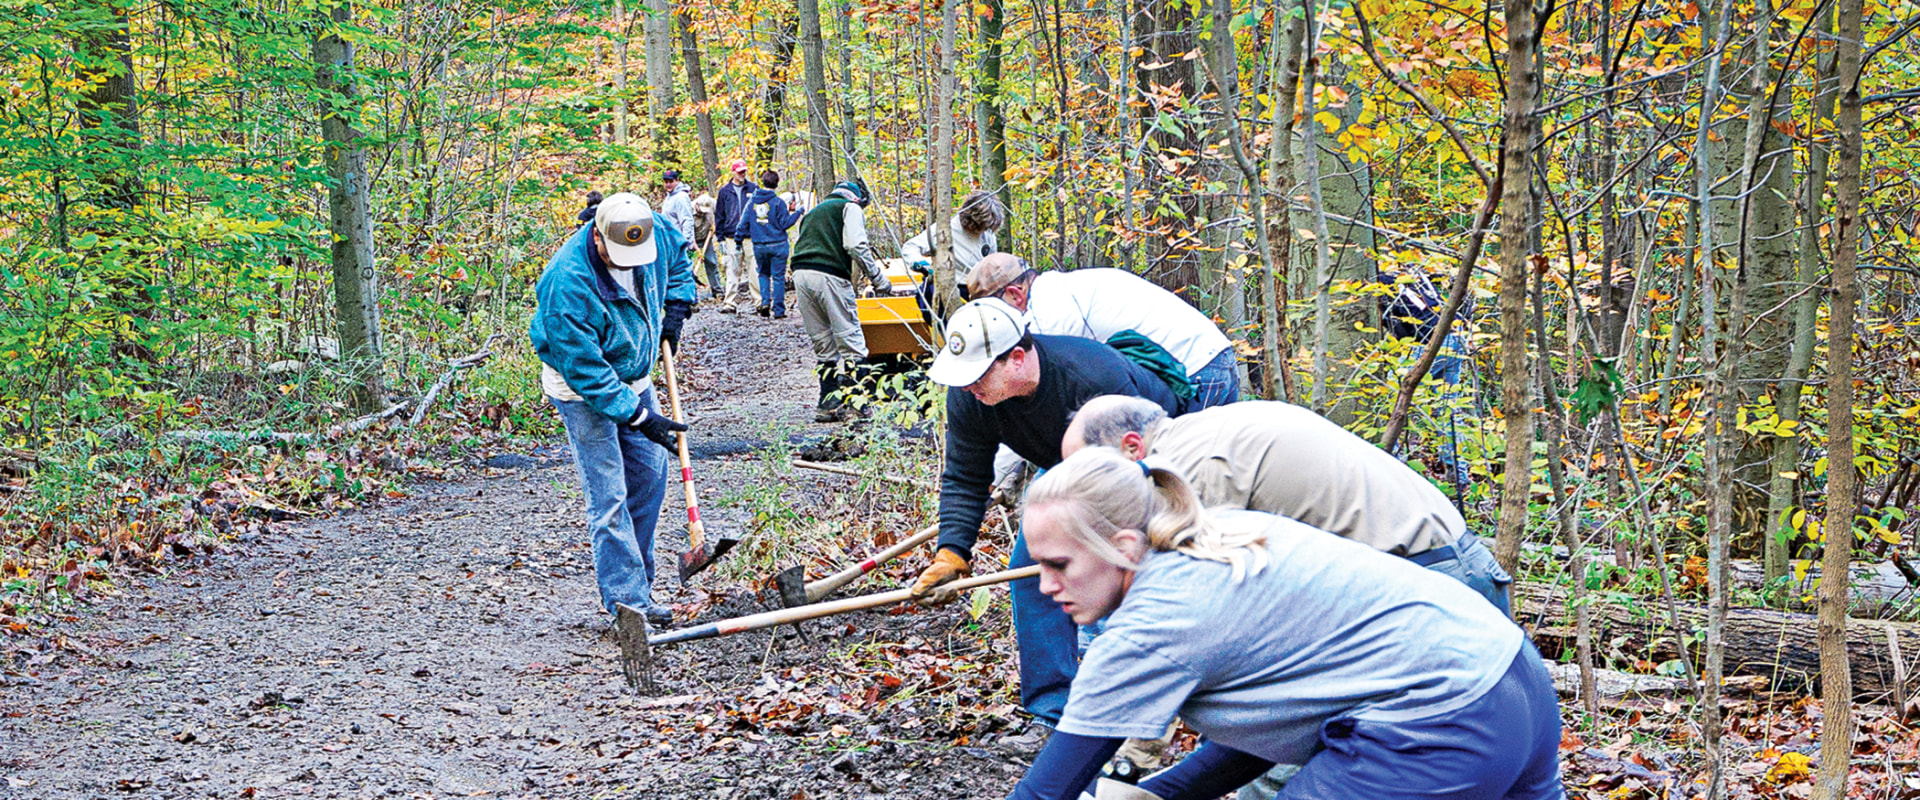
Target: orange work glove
x=947, y=566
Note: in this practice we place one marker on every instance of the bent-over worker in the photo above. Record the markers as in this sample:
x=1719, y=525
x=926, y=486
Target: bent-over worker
x=1104, y=303
x=1286, y=460
x=1280, y=644
x=608, y=297
x=1009, y=386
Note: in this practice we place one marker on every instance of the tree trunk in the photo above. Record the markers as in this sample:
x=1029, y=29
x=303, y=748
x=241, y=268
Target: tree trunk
x=819, y=132
x=946, y=295
x=356, y=291
x=848, y=125
x=620, y=76
x=111, y=110
x=659, y=39
x=1342, y=192
x=1719, y=386
x=1836, y=734
x=1564, y=504
x=1516, y=401
x=1310, y=130
x=697, y=92
x=1167, y=38
x=986, y=92
x=1277, y=278
x=1786, y=449
x=1759, y=217
x=775, y=101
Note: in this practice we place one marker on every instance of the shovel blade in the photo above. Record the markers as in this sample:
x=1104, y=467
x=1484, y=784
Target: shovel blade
x=636, y=653
x=695, y=560
x=792, y=583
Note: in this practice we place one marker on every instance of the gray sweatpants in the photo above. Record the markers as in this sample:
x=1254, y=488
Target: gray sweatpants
x=832, y=321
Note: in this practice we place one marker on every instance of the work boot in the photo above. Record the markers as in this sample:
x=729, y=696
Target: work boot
x=659, y=616
x=1028, y=743
x=764, y=310
x=829, y=407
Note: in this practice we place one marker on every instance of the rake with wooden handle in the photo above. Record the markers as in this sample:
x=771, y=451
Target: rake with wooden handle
x=637, y=639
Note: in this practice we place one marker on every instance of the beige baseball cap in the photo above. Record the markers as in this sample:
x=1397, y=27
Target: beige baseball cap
x=978, y=333
x=625, y=222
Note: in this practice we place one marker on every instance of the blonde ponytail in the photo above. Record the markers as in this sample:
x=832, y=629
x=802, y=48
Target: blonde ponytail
x=1105, y=493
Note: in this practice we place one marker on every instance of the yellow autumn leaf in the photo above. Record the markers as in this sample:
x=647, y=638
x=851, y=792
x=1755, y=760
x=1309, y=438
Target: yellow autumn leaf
x=1328, y=120
x=1790, y=767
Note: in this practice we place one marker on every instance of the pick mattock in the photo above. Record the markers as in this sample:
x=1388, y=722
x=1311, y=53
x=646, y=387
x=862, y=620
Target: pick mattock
x=637, y=639
x=700, y=554
x=795, y=592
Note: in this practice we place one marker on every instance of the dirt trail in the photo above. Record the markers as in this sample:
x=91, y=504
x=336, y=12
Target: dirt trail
x=449, y=645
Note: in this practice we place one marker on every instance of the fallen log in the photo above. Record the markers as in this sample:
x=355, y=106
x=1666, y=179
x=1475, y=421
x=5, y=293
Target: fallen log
x=1781, y=646
x=1878, y=589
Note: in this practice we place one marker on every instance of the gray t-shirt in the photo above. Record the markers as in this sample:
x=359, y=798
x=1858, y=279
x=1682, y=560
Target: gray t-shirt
x=1331, y=628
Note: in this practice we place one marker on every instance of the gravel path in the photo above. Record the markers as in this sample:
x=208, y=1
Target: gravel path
x=449, y=645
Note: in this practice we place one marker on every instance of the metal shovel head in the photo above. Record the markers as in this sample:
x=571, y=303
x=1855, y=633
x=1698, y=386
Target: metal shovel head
x=792, y=583
x=694, y=560
x=636, y=654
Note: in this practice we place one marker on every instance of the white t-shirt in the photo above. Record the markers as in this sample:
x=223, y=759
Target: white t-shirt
x=1331, y=628
x=1098, y=303
x=967, y=249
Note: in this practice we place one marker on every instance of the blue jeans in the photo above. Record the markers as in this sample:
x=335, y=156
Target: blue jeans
x=1474, y=565
x=772, y=261
x=1447, y=366
x=624, y=476
x=1216, y=384
x=1047, y=640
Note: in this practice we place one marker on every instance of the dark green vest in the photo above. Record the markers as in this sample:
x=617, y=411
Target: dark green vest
x=818, y=246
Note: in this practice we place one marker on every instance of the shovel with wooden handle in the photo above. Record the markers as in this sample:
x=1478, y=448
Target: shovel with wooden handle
x=700, y=554
x=637, y=639
x=794, y=593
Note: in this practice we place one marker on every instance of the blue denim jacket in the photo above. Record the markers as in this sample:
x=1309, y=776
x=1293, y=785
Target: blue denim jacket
x=596, y=335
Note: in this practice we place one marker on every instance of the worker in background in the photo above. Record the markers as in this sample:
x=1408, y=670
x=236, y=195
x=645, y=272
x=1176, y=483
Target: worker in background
x=831, y=246
x=973, y=227
x=730, y=205
x=707, y=243
x=765, y=223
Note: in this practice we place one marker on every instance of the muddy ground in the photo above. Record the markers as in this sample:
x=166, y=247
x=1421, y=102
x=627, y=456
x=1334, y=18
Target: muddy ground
x=448, y=644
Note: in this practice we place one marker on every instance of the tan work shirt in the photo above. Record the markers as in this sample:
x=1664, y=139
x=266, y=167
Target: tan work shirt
x=1286, y=460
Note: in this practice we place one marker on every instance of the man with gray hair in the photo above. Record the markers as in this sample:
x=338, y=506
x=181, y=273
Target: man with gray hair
x=1286, y=460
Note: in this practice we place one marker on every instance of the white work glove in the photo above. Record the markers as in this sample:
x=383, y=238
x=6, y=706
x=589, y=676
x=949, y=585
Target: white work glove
x=1110, y=789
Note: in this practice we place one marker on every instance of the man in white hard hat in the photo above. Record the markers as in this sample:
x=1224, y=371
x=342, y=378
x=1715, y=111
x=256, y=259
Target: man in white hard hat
x=1010, y=386
x=612, y=293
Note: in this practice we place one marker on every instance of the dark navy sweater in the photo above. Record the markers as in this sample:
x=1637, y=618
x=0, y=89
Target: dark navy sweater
x=1072, y=371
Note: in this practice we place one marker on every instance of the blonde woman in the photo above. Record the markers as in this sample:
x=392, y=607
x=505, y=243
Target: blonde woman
x=1281, y=644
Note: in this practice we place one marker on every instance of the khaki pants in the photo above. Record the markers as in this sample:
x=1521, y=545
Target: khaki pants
x=740, y=273
x=832, y=321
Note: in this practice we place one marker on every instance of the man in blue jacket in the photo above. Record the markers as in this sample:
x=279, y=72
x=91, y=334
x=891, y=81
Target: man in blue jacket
x=729, y=209
x=612, y=293
x=766, y=222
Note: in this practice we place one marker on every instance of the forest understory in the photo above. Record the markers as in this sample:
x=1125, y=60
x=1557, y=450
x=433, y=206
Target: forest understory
x=447, y=644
